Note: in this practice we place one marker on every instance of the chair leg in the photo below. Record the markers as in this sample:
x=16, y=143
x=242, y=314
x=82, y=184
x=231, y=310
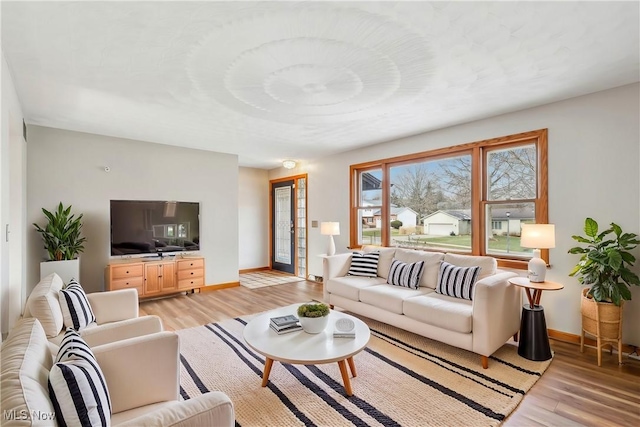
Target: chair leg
x=515, y=337
x=485, y=362
x=582, y=342
x=599, y=344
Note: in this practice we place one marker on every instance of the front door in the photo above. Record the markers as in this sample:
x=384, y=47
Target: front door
x=283, y=226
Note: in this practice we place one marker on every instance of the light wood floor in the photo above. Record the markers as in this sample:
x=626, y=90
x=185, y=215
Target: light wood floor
x=573, y=391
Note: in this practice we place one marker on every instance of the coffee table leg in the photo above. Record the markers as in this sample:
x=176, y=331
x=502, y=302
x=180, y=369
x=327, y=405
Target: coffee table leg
x=352, y=367
x=345, y=378
x=267, y=370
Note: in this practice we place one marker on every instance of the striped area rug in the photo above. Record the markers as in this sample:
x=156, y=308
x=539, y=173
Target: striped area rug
x=403, y=379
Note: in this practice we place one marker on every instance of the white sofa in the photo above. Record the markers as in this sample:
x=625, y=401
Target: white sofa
x=142, y=376
x=116, y=314
x=481, y=325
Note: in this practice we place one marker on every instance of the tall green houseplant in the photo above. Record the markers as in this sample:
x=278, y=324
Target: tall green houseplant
x=62, y=234
x=605, y=261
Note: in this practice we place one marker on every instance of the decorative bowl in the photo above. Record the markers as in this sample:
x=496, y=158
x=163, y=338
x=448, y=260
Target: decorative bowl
x=314, y=325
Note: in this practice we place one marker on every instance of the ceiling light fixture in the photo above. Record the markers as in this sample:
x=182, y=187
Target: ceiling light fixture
x=288, y=164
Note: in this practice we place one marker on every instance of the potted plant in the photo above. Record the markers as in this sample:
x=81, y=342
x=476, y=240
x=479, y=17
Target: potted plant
x=63, y=242
x=313, y=317
x=604, y=268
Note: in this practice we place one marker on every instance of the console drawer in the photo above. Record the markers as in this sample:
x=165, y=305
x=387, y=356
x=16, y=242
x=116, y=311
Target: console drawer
x=132, y=282
x=126, y=271
x=190, y=264
x=190, y=274
x=195, y=282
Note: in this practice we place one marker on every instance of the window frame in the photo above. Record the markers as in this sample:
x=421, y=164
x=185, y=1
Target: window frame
x=479, y=190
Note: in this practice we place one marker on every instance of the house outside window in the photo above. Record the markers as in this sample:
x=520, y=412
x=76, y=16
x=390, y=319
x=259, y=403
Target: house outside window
x=471, y=198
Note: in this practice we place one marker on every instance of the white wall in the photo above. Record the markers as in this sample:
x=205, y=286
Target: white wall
x=13, y=203
x=253, y=218
x=69, y=166
x=594, y=147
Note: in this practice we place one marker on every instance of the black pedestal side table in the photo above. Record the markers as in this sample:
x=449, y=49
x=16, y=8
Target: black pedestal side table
x=534, y=340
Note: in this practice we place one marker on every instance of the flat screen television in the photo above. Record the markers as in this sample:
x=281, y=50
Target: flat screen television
x=154, y=227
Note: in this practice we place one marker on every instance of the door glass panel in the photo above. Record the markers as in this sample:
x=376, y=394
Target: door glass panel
x=302, y=227
x=283, y=225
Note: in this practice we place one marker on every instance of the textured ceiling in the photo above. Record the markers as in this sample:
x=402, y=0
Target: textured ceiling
x=275, y=80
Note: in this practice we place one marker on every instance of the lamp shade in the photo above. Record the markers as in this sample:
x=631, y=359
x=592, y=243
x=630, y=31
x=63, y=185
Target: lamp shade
x=330, y=228
x=538, y=236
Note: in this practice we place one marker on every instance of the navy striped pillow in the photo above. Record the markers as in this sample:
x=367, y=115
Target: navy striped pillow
x=457, y=281
x=76, y=310
x=73, y=346
x=404, y=274
x=364, y=264
x=77, y=387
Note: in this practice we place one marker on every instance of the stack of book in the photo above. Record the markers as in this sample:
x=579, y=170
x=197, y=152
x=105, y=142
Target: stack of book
x=285, y=324
x=344, y=328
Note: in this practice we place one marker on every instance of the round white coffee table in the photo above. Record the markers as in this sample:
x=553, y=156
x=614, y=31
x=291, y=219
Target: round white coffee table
x=302, y=348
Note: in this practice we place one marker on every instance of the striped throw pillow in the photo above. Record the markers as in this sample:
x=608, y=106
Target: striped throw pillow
x=364, y=264
x=457, y=281
x=72, y=345
x=76, y=310
x=405, y=274
x=77, y=387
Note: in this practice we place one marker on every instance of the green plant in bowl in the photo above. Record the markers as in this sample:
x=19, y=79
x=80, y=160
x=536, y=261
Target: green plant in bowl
x=313, y=310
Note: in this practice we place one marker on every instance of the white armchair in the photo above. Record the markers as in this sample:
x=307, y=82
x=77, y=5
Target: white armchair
x=142, y=376
x=116, y=314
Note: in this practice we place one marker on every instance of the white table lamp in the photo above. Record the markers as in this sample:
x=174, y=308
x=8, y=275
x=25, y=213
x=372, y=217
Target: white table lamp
x=330, y=229
x=538, y=236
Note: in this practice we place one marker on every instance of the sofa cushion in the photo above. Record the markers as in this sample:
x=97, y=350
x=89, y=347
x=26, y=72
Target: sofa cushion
x=457, y=281
x=384, y=261
x=488, y=265
x=26, y=360
x=77, y=386
x=445, y=312
x=431, y=264
x=365, y=265
x=350, y=286
x=75, y=306
x=43, y=304
x=404, y=274
x=389, y=297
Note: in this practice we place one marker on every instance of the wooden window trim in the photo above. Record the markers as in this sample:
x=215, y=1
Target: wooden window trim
x=479, y=200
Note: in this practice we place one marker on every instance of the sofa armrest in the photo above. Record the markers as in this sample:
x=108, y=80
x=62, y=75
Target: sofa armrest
x=210, y=409
x=496, y=312
x=334, y=266
x=118, y=331
x=113, y=306
x=141, y=371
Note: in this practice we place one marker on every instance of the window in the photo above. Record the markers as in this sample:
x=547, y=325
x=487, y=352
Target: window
x=472, y=198
x=369, y=207
x=432, y=201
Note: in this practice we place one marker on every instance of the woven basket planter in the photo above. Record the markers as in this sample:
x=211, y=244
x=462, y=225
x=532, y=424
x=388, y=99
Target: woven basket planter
x=601, y=319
